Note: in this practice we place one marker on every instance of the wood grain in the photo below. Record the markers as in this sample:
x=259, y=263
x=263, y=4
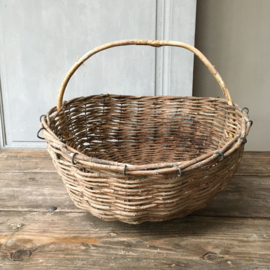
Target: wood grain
x=255, y=163
x=244, y=197
x=14, y=161
x=69, y=241
x=232, y=232
x=33, y=192
x=11, y=154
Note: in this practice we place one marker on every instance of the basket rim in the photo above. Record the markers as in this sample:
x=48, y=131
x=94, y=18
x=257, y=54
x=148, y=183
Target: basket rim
x=151, y=168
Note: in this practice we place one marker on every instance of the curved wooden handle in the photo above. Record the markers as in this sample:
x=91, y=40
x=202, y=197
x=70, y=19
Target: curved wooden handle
x=155, y=43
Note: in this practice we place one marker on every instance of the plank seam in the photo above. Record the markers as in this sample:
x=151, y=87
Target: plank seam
x=81, y=211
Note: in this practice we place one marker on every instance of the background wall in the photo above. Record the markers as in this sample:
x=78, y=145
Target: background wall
x=41, y=40
x=235, y=37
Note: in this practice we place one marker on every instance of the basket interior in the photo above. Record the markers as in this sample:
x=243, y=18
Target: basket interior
x=144, y=130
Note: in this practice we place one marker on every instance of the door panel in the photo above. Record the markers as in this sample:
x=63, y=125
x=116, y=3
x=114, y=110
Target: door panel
x=41, y=40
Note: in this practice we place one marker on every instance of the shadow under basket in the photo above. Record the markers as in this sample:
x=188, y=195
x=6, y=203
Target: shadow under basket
x=147, y=158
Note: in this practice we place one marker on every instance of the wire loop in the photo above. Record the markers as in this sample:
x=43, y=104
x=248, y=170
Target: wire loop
x=245, y=109
x=73, y=156
x=221, y=155
x=180, y=172
x=125, y=167
x=39, y=132
x=249, y=121
x=243, y=138
x=41, y=117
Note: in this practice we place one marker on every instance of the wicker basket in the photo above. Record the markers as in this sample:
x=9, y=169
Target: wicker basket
x=145, y=158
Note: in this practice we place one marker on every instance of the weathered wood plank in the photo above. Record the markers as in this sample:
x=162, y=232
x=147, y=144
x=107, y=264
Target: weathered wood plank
x=253, y=163
x=23, y=154
x=244, y=196
x=17, y=160
x=78, y=240
x=27, y=165
x=33, y=192
x=31, y=237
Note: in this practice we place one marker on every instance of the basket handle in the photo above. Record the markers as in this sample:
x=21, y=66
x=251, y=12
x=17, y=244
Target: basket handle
x=154, y=43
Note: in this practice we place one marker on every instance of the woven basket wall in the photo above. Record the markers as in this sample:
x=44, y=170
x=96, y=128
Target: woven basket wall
x=138, y=159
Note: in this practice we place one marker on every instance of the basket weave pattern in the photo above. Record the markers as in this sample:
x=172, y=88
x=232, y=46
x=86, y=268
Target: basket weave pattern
x=138, y=159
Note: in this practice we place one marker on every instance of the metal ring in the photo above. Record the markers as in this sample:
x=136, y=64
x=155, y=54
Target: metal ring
x=221, y=155
x=243, y=138
x=249, y=121
x=41, y=117
x=38, y=133
x=73, y=156
x=180, y=172
x=245, y=109
x=125, y=167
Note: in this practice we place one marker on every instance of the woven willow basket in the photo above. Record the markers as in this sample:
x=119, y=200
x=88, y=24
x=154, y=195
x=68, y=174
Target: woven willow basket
x=145, y=158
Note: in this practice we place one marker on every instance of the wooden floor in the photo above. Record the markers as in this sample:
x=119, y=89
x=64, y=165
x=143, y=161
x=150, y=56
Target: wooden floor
x=232, y=232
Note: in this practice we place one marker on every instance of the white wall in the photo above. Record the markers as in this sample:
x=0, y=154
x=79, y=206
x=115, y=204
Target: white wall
x=40, y=41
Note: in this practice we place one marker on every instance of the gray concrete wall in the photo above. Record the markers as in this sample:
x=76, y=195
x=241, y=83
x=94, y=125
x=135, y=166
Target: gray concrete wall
x=235, y=36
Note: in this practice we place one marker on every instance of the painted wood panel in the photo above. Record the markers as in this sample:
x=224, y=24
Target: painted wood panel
x=41, y=40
